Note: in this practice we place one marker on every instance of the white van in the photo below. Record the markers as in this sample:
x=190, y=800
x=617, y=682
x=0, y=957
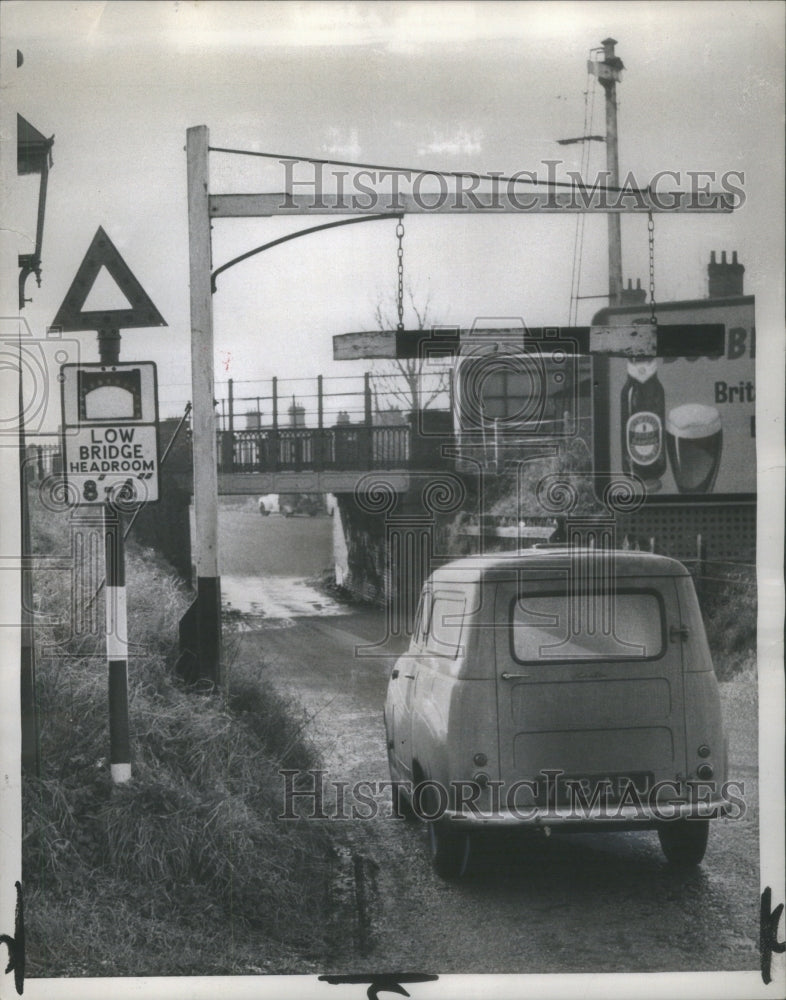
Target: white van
x=558, y=689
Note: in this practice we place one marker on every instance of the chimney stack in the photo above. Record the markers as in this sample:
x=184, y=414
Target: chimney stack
x=297, y=414
x=633, y=296
x=725, y=279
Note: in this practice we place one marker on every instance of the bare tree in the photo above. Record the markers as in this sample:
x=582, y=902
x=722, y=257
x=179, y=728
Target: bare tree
x=410, y=384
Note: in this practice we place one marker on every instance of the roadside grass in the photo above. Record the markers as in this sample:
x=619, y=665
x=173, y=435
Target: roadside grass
x=186, y=869
x=740, y=701
x=729, y=606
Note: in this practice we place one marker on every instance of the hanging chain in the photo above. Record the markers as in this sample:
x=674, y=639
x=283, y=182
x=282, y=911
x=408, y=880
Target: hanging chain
x=400, y=252
x=651, y=237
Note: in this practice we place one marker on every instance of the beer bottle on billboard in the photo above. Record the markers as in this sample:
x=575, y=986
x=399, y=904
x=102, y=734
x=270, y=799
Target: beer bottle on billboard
x=642, y=412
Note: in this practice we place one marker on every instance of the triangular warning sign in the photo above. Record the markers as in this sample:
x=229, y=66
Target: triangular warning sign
x=103, y=253
x=105, y=295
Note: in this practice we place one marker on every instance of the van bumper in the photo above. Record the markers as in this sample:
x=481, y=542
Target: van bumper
x=602, y=817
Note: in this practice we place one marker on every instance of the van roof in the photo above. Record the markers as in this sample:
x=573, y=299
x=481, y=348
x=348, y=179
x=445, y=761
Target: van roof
x=627, y=563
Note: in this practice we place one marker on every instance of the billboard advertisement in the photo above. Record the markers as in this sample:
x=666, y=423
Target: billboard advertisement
x=685, y=426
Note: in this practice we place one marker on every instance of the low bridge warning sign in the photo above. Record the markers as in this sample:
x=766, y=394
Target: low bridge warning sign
x=110, y=432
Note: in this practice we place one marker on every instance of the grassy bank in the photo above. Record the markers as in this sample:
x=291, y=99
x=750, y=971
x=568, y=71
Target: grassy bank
x=185, y=870
x=740, y=714
x=728, y=600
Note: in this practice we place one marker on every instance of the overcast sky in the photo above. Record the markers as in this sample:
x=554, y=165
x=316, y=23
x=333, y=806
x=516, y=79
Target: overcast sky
x=476, y=86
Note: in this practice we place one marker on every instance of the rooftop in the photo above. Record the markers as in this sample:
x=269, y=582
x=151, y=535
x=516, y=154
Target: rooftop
x=540, y=560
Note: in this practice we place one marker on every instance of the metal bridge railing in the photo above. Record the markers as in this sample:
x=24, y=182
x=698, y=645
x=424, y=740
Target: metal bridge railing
x=349, y=447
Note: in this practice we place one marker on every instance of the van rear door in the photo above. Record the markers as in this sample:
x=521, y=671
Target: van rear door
x=592, y=685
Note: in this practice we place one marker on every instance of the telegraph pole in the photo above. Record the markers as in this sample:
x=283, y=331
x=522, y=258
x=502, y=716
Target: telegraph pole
x=609, y=72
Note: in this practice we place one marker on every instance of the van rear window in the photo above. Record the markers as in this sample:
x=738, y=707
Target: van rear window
x=587, y=626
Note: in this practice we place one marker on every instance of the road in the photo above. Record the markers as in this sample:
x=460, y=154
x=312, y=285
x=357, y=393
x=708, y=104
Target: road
x=580, y=903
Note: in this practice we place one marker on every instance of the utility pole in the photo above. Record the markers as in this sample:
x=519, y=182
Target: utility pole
x=609, y=71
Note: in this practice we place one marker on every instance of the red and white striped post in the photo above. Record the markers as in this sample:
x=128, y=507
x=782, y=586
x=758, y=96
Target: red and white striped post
x=115, y=600
x=117, y=646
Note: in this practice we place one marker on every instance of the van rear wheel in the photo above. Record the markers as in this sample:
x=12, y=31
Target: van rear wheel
x=449, y=849
x=684, y=841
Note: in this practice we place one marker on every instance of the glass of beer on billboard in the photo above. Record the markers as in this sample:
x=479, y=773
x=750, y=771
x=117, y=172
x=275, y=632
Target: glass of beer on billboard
x=694, y=440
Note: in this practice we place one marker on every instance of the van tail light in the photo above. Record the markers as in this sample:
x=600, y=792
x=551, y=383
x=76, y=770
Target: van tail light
x=705, y=771
x=704, y=750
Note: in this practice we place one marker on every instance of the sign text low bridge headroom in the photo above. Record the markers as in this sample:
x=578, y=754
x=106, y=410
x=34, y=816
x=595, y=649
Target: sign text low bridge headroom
x=110, y=431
